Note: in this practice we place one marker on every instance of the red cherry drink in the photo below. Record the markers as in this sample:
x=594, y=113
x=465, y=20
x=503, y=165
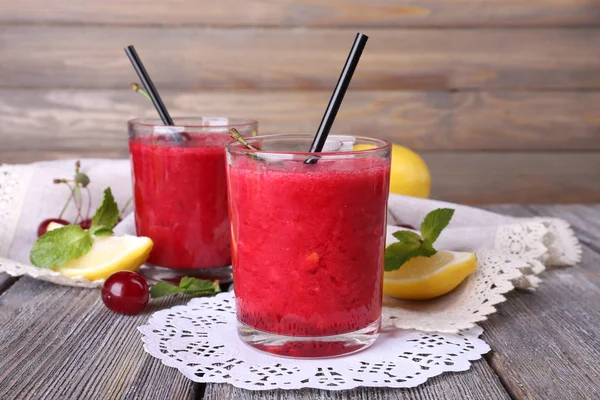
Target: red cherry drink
x=180, y=195
x=187, y=214
x=308, y=242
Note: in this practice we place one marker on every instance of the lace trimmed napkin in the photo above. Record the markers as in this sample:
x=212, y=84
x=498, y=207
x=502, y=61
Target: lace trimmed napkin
x=511, y=251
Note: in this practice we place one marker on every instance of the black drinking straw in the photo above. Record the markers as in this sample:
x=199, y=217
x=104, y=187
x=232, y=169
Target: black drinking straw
x=338, y=96
x=154, y=96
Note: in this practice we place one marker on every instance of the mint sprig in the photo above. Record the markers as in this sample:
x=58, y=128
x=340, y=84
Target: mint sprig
x=187, y=285
x=106, y=215
x=69, y=242
x=411, y=244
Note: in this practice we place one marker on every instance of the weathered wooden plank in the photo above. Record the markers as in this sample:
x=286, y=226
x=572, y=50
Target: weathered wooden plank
x=470, y=178
x=496, y=177
x=75, y=120
x=364, y=13
x=546, y=344
x=202, y=58
x=62, y=343
x=479, y=382
x=525, y=121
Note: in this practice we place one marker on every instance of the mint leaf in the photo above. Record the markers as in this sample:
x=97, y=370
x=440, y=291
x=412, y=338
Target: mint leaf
x=161, y=289
x=407, y=237
x=106, y=215
x=427, y=249
x=101, y=231
x=192, y=284
x=398, y=253
x=435, y=222
x=187, y=285
x=60, y=245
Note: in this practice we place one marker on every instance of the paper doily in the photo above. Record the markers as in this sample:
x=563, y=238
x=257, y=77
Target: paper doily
x=200, y=340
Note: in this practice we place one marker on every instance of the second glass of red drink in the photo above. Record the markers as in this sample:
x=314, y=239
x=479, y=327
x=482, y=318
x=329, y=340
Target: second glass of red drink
x=180, y=194
x=308, y=236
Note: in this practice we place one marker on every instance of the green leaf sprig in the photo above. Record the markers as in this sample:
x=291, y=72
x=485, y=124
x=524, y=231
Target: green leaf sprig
x=187, y=285
x=411, y=244
x=64, y=244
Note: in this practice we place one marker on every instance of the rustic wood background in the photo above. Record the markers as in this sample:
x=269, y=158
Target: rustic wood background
x=502, y=98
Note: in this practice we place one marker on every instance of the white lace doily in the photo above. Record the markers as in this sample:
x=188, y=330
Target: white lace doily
x=200, y=340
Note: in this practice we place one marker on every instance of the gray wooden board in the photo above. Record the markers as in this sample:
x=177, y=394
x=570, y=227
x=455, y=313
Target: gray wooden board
x=198, y=58
x=305, y=13
x=62, y=343
x=82, y=120
x=546, y=343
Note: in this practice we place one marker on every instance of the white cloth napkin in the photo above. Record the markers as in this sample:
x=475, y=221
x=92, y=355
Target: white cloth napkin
x=511, y=251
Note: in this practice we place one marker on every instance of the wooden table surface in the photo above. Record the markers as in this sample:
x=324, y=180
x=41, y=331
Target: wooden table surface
x=62, y=343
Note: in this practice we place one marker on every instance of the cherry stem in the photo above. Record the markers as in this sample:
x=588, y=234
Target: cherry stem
x=78, y=202
x=136, y=87
x=236, y=135
x=89, y=208
x=72, y=197
x=68, y=201
x=127, y=203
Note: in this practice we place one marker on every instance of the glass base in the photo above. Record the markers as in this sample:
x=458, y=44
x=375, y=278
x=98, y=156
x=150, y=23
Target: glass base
x=309, y=347
x=154, y=274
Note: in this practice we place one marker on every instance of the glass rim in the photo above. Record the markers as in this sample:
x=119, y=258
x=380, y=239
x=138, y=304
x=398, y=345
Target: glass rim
x=151, y=122
x=235, y=147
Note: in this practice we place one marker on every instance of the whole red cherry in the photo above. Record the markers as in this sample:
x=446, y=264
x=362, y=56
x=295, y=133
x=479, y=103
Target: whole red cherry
x=125, y=292
x=86, y=223
x=43, y=226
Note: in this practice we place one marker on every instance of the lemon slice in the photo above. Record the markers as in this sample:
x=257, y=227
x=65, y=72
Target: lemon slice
x=423, y=278
x=109, y=254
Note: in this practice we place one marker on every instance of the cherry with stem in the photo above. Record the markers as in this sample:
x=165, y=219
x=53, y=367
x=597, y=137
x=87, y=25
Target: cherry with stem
x=79, y=181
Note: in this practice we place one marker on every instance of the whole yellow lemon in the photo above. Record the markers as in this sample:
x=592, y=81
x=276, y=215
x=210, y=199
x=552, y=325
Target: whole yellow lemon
x=409, y=174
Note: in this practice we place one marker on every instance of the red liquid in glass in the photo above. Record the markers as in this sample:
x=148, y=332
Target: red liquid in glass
x=180, y=197
x=307, y=245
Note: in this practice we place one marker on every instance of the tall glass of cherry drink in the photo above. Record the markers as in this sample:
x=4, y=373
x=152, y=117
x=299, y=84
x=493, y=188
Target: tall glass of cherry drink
x=307, y=242
x=180, y=194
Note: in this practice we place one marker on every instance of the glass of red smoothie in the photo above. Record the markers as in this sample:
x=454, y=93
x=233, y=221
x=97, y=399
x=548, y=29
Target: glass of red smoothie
x=180, y=194
x=308, y=242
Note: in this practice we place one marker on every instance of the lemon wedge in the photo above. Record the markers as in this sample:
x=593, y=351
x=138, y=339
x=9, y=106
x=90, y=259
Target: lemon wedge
x=423, y=278
x=109, y=254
